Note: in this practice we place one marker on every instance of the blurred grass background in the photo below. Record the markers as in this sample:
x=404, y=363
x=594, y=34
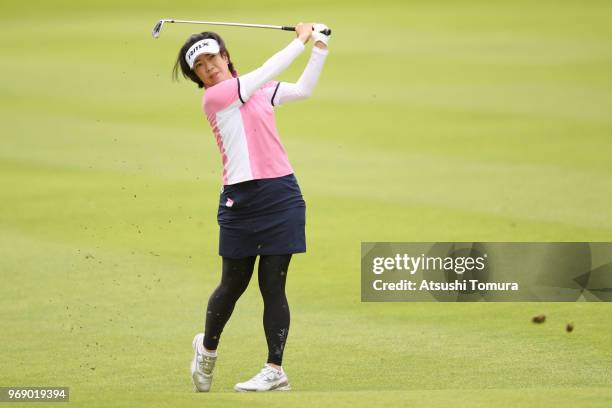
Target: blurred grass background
x=432, y=121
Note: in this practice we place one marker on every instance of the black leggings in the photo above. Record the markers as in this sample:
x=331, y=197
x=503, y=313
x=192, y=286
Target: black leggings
x=272, y=274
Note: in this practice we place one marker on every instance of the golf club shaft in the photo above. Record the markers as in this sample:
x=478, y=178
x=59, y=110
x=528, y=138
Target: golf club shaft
x=275, y=27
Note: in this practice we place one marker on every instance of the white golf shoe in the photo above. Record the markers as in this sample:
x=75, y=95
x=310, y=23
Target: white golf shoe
x=268, y=379
x=201, y=366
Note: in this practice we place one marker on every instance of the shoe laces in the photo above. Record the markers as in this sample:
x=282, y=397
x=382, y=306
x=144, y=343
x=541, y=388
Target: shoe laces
x=267, y=373
x=207, y=364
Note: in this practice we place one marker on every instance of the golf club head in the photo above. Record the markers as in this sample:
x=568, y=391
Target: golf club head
x=157, y=28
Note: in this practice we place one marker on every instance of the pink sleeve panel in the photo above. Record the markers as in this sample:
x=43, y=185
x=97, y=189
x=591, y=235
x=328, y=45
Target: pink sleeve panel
x=269, y=84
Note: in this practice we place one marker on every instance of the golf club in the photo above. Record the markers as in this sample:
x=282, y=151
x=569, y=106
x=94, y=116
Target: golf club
x=160, y=23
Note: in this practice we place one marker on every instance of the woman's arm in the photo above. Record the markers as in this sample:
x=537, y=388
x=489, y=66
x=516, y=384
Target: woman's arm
x=287, y=92
x=254, y=80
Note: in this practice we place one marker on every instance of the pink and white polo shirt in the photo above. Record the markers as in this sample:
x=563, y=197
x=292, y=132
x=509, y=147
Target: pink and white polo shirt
x=246, y=132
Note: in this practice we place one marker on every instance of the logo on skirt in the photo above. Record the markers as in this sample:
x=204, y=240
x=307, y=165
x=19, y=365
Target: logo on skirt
x=229, y=202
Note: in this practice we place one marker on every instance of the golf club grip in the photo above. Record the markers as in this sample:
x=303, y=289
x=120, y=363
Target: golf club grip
x=289, y=28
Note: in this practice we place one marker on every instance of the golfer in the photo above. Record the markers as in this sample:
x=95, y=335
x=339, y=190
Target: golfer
x=261, y=208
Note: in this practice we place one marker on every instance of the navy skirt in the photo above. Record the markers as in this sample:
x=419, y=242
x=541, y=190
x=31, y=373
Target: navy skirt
x=262, y=217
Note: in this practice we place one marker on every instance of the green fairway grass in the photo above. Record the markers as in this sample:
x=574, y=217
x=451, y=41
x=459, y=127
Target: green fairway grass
x=432, y=121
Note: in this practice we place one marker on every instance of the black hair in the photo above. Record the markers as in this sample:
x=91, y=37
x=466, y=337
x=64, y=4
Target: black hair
x=182, y=65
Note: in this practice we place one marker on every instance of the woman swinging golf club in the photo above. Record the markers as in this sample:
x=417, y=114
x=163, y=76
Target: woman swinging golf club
x=261, y=209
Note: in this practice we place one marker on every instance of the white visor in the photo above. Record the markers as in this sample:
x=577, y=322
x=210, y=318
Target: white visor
x=206, y=46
